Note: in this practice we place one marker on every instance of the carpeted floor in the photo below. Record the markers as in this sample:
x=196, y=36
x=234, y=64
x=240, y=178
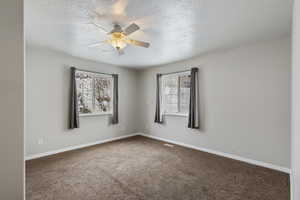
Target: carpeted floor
x=142, y=168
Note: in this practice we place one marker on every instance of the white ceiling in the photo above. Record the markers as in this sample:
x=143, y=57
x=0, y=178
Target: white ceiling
x=176, y=29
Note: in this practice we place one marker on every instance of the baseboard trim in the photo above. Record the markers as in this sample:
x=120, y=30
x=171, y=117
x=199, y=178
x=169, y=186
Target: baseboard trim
x=70, y=148
x=292, y=185
x=227, y=155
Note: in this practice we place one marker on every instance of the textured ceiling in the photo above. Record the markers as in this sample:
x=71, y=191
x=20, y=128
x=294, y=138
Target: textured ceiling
x=176, y=29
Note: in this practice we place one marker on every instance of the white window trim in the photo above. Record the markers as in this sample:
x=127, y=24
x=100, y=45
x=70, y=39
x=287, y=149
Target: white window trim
x=178, y=114
x=95, y=114
x=95, y=74
x=178, y=73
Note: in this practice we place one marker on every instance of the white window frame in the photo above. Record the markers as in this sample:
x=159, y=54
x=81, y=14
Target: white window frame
x=95, y=74
x=179, y=114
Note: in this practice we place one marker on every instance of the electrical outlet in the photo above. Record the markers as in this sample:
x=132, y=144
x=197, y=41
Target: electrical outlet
x=40, y=141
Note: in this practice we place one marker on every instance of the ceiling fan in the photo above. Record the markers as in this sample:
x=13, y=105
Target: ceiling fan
x=119, y=38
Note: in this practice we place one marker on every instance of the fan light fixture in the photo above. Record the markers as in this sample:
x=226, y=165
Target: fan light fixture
x=119, y=38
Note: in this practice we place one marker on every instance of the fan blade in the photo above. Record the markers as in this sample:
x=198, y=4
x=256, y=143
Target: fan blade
x=119, y=7
x=115, y=18
x=100, y=27
x=98, y=43
x=138, y=43
x=131, y=28
x=95, y=45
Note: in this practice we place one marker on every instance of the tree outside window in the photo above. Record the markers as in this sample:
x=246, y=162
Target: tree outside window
x=94, y=93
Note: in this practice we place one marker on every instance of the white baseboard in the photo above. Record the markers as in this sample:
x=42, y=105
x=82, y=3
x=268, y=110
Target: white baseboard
x=235, y=157
x=292, y=185
x=39, y=155
x=227, y=155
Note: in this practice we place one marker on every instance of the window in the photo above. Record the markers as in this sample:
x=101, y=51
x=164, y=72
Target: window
x=94, y=93
x=176, y=93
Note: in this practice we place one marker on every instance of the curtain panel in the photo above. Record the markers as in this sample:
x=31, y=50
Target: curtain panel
x=158, y=111
x=115, y=115
x=194, y=114
x=73, y=110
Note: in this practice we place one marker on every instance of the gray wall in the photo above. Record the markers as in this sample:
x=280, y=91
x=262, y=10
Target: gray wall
x=296, y=104
x=47, y=89
x=244, y=100
x=11, y=101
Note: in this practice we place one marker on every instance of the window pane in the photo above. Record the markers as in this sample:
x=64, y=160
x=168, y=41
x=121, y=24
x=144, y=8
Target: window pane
x=184, y=81
x=103, y=94
x=170, y=94
x=84, y=82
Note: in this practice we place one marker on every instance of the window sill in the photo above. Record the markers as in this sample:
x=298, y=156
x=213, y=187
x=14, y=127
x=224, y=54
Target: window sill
x=94, y=114
x=176, y=114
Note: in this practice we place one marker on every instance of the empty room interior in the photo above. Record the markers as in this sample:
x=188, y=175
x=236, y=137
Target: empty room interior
x=150, y=100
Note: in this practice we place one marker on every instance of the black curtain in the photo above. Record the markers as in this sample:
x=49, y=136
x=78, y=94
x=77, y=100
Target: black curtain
x=73, y=112
x=194, y=115
x=115, y=115
x=158, y=113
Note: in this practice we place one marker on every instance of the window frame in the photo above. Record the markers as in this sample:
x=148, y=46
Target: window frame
x=179, y=114
x=95, y=74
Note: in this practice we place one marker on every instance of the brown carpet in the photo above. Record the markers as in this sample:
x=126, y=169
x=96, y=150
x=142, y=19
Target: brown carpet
x=142, y=168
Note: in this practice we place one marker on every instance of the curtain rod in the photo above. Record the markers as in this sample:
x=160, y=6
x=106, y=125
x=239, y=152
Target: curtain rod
x=83, y=70
x=176, y=72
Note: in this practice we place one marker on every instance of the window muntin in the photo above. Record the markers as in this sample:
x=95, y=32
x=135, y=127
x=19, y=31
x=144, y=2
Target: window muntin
x=94, y=93
x=176, y=93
